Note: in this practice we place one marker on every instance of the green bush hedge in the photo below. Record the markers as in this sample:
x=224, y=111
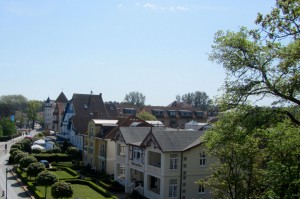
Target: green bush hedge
x=57, y=157
x=36, y=192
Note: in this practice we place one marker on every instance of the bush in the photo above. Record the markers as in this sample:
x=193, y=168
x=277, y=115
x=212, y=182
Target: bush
x=54, y=150
x=36, y=150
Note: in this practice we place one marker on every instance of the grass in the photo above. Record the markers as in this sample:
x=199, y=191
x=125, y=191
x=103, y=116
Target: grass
x=61, y=174
x=80, y=191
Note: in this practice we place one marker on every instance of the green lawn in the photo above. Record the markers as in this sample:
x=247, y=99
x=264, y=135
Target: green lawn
x=61, y=174
x=80, y=191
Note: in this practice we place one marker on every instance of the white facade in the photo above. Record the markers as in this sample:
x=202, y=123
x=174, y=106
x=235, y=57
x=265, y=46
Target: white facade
x=161, y=175
x=49, y=108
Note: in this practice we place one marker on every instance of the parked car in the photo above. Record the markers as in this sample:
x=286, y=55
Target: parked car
x=45, y=162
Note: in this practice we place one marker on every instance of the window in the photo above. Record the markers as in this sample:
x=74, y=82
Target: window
x=201, y=189
x=137, y=155
x=122, y=172
x=202, y=159
x=172, y=188
x=174, y=161
x=121, y=150
x=102, y=149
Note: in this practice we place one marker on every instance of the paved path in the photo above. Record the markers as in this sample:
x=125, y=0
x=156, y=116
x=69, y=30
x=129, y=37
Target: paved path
x=14, y=187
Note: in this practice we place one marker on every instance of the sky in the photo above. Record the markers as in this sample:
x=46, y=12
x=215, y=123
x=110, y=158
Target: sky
x=157, y=48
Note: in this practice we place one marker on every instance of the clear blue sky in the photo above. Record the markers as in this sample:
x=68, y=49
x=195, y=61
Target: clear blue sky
x=158, y=48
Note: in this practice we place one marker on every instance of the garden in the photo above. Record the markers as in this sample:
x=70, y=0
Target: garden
x=62, y=179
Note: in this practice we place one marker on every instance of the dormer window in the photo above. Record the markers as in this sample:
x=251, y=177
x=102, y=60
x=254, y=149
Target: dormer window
x=130, y=111
x=185, y=113
x=172, y=113
x=157, y=112
x=85, y=106
x=200, y=114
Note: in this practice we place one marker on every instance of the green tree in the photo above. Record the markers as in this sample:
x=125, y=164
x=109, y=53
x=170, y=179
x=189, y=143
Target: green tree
x=26, y=161
x=74, y=152
x=35, y=168
x=197, y=99
x=258, y=147
x=135, y=98
x=264, y=62
x=9, y=104
x=144, y=115
x=34, y=107
x=62, y=190
x=8, y=126
x=19, y=156
x=46, y=178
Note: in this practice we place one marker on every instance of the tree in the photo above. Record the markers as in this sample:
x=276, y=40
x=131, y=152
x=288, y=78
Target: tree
x=74, y=152
x=197, y=99
x=264, y=62
x=19, y=156
x=9, y=104
x=46, y=178
x=144, y=115
x=8, y=126
x=258, y=147
x=135, y=98
x=34, y=107
x=62, y=190
x=26, y=161
x=35, y=168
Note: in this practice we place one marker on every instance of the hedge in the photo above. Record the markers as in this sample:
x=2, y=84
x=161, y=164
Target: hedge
x=36, y=192
x=52, y=157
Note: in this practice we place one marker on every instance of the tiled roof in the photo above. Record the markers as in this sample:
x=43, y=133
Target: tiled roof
x=176, y=140
x=87, y=107
x=132, y=135
x=62, y=98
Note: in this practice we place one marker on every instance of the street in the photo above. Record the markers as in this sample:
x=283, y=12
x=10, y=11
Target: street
x=14, y=188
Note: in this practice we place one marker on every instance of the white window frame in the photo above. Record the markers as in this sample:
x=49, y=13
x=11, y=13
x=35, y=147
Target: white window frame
x=173, y=161
x=201, y=189
x=202, y=159
x=173, y=187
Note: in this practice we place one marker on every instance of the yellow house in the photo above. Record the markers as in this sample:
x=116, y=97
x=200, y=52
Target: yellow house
x=99, y=152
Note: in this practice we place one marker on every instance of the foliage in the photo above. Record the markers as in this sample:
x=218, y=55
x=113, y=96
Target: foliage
x=74, y=152
x=135, y=98
x=19, y=156
x=17, y=146
x=46, y=178
x=35, y=168
x=144, y=115
x=7, y=126
x=62, y=190
x=36, y=150
x=258, y=147
x=9, y=104
x=26, y=161
x=262, y=63
x=197, y=99
x=34, y=107
x=55, y=150
x=26, y=145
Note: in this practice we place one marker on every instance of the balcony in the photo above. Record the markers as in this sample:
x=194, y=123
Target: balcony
x=154, y=159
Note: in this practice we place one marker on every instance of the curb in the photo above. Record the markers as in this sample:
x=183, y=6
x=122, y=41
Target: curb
x=22, y=184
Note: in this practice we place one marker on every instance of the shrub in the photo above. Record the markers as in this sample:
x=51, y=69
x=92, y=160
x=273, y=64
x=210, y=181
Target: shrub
x=36, y=150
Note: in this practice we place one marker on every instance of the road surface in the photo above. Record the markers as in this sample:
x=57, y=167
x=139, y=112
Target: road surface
x=14, y=188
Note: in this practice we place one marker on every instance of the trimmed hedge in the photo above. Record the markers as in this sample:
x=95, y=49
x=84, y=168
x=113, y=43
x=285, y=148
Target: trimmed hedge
x=52, y=157
x=97, y=188
x=36, y=192
x=111, y=185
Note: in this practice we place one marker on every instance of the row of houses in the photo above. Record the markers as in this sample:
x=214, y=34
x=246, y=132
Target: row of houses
x=155, y=160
